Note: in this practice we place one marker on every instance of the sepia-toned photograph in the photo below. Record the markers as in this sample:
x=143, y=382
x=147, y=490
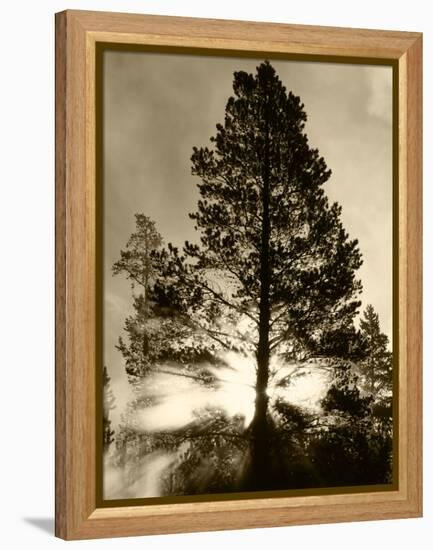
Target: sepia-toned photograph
x=247, y=275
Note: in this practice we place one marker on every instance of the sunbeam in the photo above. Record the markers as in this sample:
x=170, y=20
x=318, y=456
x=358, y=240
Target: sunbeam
x=168, y=401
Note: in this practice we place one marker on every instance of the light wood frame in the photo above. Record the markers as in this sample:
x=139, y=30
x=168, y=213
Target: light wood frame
x=77, y=33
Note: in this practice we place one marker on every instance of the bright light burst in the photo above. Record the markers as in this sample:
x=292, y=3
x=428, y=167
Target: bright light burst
x=169, y=399
x=177, y=396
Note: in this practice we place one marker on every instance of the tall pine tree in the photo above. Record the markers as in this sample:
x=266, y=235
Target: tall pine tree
x=273, y=251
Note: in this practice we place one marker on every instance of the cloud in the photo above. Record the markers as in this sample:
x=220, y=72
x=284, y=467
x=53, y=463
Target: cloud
x=379, y=100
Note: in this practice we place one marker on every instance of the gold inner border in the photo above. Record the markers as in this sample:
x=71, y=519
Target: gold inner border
x=100, y=49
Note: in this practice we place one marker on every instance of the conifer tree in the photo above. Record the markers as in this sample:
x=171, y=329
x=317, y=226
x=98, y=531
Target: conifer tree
x=108, y=399
x=377, y=365
x=273, y=253
x=136, y=263
x=154, y=336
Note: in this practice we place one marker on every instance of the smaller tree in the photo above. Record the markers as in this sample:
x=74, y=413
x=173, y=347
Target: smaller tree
x=137, y=263
x=136, y=260
x=109, y=404
x=376, y=368
x=160, y=331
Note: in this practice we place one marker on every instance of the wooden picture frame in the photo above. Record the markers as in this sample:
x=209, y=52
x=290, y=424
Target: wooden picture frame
x=78, y=34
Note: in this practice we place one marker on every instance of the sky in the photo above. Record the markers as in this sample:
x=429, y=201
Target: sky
x=158, y=106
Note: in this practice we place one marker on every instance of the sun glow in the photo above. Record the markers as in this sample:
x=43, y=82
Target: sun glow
x=178, y=397
x=175, y=398
x=298, y=384
x=169, y=399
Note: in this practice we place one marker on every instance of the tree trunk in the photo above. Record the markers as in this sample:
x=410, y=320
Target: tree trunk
x=260, y=426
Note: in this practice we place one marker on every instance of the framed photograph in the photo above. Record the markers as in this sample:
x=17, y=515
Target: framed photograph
x=238, y=274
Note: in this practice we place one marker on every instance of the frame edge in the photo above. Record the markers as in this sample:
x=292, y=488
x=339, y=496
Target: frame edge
x=414, y=274
x=60, y=276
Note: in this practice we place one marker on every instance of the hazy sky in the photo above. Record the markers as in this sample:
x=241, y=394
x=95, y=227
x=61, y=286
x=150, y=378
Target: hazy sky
x=158, y=106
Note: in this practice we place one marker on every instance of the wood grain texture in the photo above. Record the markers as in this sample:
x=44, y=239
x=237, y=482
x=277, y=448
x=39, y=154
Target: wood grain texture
x=76, y=35
x=413, y=288
x=75, y=285
x=246, y=35
x=60, y=170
